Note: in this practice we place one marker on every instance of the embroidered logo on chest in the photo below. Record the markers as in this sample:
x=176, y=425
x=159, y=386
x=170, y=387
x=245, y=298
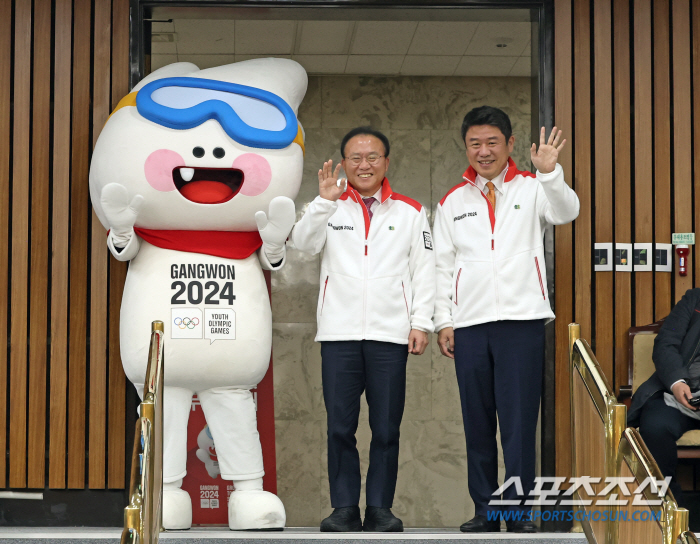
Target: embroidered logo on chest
x=468, y=214
x=341, y=227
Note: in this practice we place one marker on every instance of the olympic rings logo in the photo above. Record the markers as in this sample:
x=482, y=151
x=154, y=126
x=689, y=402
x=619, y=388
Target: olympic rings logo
x=186, y=322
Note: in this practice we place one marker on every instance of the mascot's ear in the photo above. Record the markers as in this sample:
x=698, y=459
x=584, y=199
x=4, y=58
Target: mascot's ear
x=177, y=69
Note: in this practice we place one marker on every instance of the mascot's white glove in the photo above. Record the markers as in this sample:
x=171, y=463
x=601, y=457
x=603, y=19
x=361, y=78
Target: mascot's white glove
x=275, y=226
x=120, y=213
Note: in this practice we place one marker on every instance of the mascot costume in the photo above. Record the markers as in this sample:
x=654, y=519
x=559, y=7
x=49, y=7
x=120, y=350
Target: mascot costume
x=194, y=175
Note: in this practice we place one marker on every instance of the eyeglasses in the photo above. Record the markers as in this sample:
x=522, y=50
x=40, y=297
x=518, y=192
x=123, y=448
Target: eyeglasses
x=356, y=160
x=251, y=116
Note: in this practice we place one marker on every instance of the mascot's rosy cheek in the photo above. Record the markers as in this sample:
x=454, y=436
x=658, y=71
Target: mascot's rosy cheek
x=159, y=168
x=257, y=173
x=160, y=164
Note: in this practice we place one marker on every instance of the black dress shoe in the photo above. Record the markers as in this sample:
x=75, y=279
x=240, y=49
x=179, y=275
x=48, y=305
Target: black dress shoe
x=381, y=520
x=345, y=519
x=479, y=524
x=521, y=526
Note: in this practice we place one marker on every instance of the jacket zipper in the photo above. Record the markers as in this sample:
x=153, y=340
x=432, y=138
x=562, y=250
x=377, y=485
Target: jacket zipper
x=492, y=220
x=459, y=273
x=365, y=216
x=495, y=285
x=493, y=224
x=323, y=302
x=492, y=213
x=405, y=300
x=364, y=291
x=539, y=275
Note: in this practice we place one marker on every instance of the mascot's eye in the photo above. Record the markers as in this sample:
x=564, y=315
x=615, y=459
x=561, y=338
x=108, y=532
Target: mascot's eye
x=198, y=152
x=219, y=152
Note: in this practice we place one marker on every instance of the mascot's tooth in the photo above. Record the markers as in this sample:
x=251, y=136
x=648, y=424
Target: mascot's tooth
x=186, y=173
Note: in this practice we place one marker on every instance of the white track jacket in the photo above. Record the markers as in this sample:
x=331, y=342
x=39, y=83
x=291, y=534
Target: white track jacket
x=378, y=278
x=490, y=266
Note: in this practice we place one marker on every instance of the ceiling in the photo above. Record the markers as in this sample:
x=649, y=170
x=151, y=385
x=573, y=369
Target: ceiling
x=342, y=46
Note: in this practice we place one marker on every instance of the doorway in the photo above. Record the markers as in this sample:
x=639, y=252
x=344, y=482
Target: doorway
x=412, y=70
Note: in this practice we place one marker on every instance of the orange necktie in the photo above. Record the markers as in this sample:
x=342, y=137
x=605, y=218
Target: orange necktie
x=491, y=195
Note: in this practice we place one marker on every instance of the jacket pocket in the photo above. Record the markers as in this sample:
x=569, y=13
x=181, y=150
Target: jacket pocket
x=403, y=288
x=323, y=300
x=339, y=309
x=459, y=273
x=522, y=285
x=388, y=311
x=474, y=295
x=539, y=277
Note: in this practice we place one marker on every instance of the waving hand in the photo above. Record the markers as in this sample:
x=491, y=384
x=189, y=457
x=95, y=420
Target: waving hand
x=545, y=158
x=329, y=186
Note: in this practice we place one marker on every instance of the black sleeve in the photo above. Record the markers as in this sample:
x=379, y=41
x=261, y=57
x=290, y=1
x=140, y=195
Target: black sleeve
x=667, y=346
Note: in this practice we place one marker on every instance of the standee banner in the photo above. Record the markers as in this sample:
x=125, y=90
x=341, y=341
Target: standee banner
x=209, y=493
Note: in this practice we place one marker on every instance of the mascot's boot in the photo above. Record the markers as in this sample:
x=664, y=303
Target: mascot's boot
x=177, y=507
x=251, y=508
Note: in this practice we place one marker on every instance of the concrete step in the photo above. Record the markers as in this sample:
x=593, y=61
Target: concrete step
x=295, y=535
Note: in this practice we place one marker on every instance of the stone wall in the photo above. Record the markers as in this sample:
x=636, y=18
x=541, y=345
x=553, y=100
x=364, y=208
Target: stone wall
x=422, y=117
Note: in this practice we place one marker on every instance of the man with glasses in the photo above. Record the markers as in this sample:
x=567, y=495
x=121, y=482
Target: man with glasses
x=375, y=307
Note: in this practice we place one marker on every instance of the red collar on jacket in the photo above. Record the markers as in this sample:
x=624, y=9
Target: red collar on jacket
x=511, y=171
x=229, y=245
x=352, y=193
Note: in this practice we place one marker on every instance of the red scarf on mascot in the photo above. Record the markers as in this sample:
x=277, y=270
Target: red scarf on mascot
x=229, y=245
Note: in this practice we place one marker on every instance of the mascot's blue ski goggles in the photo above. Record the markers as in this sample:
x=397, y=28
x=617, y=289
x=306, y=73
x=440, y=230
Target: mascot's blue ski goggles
x=251, y=116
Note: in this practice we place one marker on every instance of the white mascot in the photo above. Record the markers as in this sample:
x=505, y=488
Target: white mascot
x=194, y=175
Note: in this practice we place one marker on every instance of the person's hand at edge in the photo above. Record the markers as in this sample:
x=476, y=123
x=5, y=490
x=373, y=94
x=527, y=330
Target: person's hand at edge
x=446, y=342
x=682, y=393
x=417, y=342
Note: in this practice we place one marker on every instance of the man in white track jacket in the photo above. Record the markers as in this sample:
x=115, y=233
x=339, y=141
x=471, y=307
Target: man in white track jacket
x=492, y=302
x=375, y=306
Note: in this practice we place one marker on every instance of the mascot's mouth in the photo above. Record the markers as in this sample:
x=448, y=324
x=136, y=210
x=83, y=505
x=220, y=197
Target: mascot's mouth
x=208, y=185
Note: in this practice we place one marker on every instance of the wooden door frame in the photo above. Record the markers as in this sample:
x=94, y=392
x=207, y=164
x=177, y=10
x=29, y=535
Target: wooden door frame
x=542, y=96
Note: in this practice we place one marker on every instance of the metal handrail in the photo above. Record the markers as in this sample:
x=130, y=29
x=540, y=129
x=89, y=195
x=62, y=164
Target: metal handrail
x=620, y=444
x=688, y=537
x=143, y=515
x=672, y=519
x=583, y=362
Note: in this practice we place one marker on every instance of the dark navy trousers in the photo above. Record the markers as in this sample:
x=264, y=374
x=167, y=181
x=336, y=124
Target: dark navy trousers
x=660, y=426
x=499, y=372
x=378, y=369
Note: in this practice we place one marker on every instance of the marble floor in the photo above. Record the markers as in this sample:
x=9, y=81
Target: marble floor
x=89, y=535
